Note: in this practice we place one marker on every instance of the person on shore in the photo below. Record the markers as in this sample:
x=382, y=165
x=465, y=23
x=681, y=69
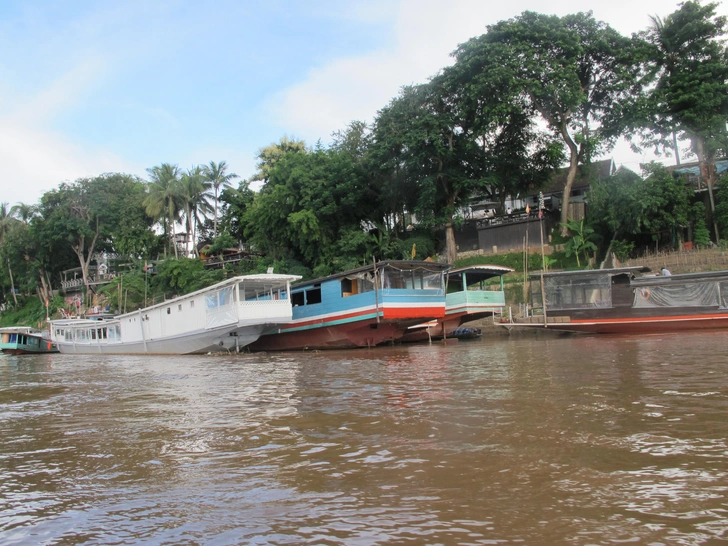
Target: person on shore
x=665, y=271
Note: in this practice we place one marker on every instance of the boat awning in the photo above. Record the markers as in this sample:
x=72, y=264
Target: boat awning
x=478, y=273
x=680, y=278
x=592, y=272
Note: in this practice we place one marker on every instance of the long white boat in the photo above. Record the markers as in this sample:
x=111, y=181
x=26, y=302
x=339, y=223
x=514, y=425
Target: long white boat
x=225, y=316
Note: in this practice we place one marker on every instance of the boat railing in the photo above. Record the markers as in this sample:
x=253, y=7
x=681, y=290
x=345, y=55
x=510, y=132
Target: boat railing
x=487, y=297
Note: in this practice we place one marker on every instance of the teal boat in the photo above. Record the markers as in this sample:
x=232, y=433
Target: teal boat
x=24, y=340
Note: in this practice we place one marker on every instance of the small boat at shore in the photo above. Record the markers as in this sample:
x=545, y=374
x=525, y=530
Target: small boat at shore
x=627, y=301
x=24, y=340
x=468, y=298
x=226, y=316
x=362, y=307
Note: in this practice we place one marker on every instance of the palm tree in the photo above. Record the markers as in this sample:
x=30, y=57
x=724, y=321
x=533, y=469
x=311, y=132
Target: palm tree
x=23, y=212
x=194, y=188
x=164, y=200
x=6, y=220
x=216, y=175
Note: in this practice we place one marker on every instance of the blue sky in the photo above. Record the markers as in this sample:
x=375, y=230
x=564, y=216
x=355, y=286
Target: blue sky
x=88, y=87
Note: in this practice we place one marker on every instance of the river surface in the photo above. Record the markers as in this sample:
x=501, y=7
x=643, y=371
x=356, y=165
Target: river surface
x=514, y=440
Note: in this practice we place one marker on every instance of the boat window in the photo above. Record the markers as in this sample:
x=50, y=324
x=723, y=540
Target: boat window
x=93, y=333
x=313, y=295
x=348, y=287
x=723, y=295
x=455, y=284
x=179, y=307
x=297, y=298
x=168, y=311
x=432, y=280
x=226, y=296
x=574, y=292
x=417, y=279
x=192, y=303
x=13, y=338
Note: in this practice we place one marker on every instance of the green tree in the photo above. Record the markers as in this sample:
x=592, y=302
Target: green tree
x=308, y=204
x=217, y=176
x=164, y=199
x=701, y=235
x=627, y=205
x=688, y=69
x=572, y=70
x=271, y=154
x=193, y=189
x=235, y=203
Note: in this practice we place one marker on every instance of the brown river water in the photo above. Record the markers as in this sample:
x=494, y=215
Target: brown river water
x=513, y=440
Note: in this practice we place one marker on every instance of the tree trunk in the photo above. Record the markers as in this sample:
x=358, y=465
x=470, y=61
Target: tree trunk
x=83, y=260
x=451, y=247
x=214, y=220
x=707, y=173
x=570, y=177
x=12, y=284
x=677, y=150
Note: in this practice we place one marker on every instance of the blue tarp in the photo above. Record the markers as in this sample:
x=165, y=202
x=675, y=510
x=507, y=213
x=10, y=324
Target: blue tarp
x=720, y=166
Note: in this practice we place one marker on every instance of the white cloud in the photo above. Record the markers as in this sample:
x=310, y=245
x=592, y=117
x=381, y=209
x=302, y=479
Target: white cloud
x=426, y=32
x=36, y=160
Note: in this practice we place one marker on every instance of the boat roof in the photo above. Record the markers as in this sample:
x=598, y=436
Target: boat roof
x=680, y=277
x=19, y=330
x=587, y=272
x=477, y=273
x=261, y=279
x=396, y=264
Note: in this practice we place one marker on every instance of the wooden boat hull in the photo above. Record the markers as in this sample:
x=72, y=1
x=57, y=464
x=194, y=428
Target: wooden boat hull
x=632, y=325
x=346, y=330
x=362, y=333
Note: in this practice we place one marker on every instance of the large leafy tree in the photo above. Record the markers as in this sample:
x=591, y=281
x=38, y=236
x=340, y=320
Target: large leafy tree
x=387, y=165
x=514, y=156
x=90, y=215
x=687, y=85
x=432, y=152
x=235, y=203
x=269, y=155
x=571, y=69
x=627, y=206
x=311, y=200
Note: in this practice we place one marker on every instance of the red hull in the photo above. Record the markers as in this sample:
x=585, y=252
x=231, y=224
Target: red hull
x=366, y=333
x=642, y=325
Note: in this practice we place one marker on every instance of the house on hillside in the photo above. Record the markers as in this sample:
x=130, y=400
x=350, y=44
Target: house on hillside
x=691, y=172
x=585, y=175
x=488, y=232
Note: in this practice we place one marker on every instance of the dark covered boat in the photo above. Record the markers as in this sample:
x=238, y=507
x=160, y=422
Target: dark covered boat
x=627, y=301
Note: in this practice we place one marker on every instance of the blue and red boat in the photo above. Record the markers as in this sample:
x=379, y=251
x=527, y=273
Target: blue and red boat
x=362, y=307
